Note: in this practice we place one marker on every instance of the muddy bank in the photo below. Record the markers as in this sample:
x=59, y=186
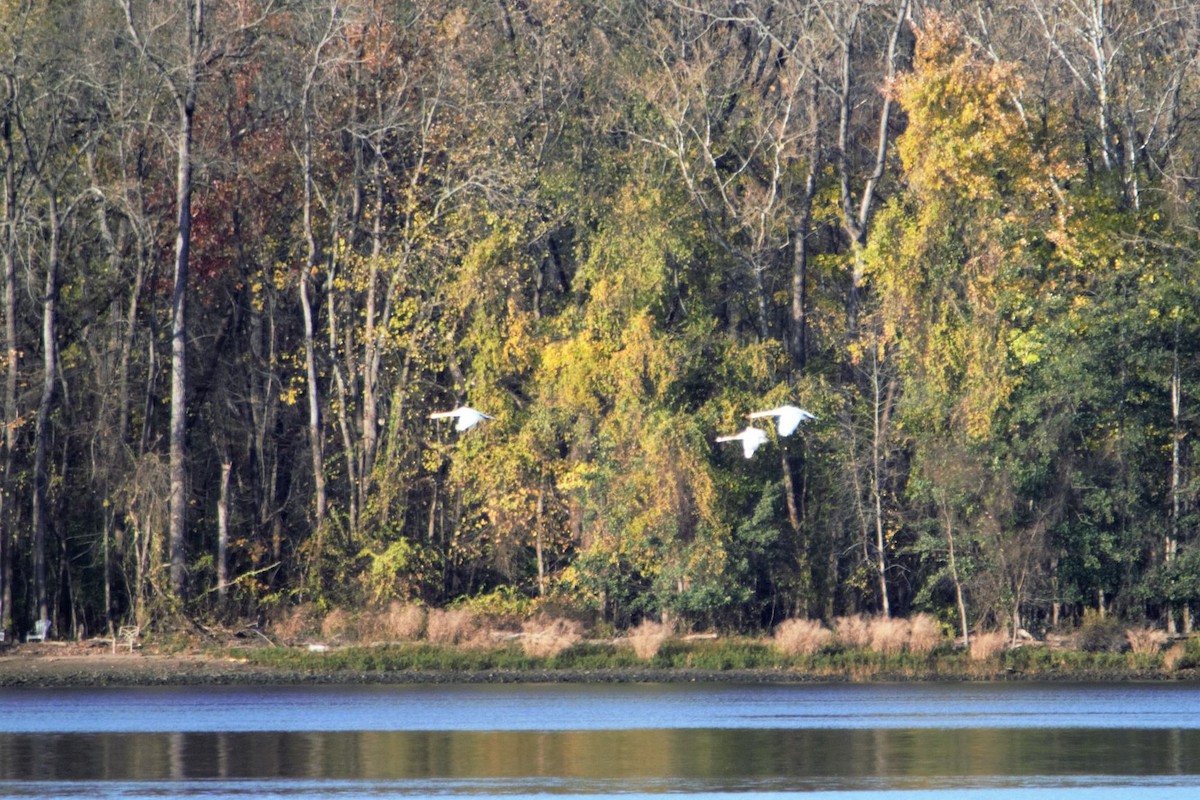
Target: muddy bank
x=56, y=665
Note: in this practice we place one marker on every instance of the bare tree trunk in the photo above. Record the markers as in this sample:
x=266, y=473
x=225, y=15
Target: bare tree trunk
x=184, y=82
x=539, y=527
x=795, y=519
x=1055, y=593
x=223, y=530
x=11, y=358
x=371, y=343
x=958, y=590
x=264, y=390
x=879, y=413
x=799, y=320
x=106, y=555
x=343, y=406
x=1171, y=545
x=178, y=435
x=314, y=404
x=41, y=469
x=316, y=446
x=855, y=220
x=115, y=438
x=796, y=522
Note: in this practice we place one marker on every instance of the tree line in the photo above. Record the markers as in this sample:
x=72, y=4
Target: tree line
x=249, y=246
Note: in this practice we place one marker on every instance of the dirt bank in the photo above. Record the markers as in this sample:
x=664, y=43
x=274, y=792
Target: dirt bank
x=60, y=664
x=69, y=664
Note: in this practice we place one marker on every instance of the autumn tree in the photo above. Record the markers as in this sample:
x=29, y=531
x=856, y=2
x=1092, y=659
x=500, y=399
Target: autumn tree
x=179, y=44
x=955, y=259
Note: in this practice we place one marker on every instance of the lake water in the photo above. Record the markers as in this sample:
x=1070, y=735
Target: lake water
x=1081, y=742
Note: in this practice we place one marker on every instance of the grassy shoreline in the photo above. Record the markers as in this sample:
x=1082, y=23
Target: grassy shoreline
x=181, y=662
x=717, y=660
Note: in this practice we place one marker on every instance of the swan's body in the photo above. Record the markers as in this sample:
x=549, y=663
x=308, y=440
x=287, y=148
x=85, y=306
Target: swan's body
x=750, y=437
x=467, y=417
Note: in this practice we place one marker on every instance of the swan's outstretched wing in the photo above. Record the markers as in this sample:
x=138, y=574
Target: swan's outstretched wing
x=789, y=418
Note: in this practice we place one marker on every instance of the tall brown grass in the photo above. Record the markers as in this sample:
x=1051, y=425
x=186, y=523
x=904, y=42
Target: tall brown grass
x=545, y=637
x=453, y=626
x=339, y=625
x=296, y=624
x=647, y=637
x=925, y=634
x=1173, y=656
x=988, y=645
x=889, y=636
x=853, y=632
x=1145, y=640
x=801, y=637
x=399, y=622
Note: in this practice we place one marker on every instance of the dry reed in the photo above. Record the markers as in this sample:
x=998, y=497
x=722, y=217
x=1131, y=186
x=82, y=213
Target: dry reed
x=889, y=636
x=925, y=634
x=801, y=637
x=296, y=624
x=1173, y=656
x=401, y=622
x=452, y=626
x=407, y=621
x=647, y=637
x=545, y=637
x=988, y=645
x=1145, y=640
x=853, y=632
x=339, y=625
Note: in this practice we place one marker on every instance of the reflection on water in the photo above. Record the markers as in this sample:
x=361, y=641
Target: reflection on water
x=837, y=742
x=540, y=707
x=713, y=758
x=1075, y=789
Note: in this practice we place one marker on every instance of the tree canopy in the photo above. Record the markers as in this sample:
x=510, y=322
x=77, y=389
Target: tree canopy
x=249, y=247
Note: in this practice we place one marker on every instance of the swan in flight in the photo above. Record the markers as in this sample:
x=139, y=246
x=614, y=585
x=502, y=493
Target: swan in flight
x=750, y=437
x=790, y=418
x=467, y=417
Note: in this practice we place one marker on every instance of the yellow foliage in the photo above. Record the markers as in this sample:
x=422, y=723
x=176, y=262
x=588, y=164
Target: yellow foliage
x=573, y=375
x=949, y=258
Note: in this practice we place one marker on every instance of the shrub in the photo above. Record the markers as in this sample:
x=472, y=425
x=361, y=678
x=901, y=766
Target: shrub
x=1145, y=640
x=988, y=645
x=1101, y=634
x=889, y=636
x=1175, y=657
x=402, y=621
x=546, y=637
x=596, y=655
x=718, y=654
x=925, y=634
x=339, y=625
x=452, y=626
x=801, y=637
x=297, y=623
x=853, y=632
x=647, y=637
x=504, y=602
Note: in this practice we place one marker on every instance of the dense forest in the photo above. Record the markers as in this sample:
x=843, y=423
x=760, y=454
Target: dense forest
x=250, y=246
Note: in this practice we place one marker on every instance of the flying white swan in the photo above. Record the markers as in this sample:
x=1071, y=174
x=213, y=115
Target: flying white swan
x=467, y=417
x=790, y=418
x=750, y=437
